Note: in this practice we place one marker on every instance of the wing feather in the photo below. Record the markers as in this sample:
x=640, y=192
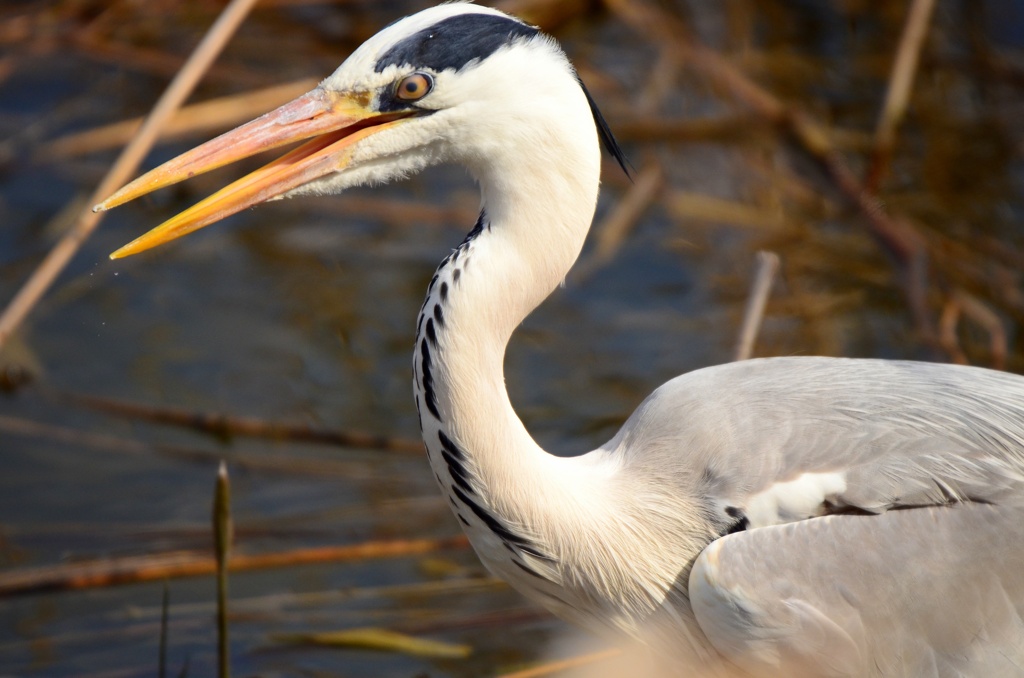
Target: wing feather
x=918, y=593
x=782, y=439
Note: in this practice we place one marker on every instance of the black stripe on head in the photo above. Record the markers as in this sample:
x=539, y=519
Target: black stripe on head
x=455, y=42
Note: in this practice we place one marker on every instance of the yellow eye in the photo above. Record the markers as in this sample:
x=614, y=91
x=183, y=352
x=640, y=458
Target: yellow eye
x=414, y=87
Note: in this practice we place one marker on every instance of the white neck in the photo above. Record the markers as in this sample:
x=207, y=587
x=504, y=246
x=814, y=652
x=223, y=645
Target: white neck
x=534, y=221
x=555, y=528
x=563, y=531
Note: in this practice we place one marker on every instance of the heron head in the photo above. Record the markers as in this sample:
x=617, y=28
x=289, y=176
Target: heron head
x=457, y=82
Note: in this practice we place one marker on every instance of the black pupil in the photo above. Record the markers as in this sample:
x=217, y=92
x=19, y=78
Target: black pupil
x=411, y=86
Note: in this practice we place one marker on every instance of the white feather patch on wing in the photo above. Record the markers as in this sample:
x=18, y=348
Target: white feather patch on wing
x=797, y=499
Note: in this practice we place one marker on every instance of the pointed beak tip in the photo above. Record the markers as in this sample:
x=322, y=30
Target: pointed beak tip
x=114, y=200
x=336, y=126
x=126, y=251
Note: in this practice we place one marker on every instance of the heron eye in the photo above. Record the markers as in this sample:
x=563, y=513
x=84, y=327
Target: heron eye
x=414, y=87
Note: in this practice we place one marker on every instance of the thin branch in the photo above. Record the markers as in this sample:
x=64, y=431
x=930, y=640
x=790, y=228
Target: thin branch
x=130, y=159
x=222, y=537
x=613, y=229
x=176, y=564
x=767, y=267
x=78, y=439
x=948, y=321
x=228, y=426
x=690, y=206
x=655, y=128
x=898, y=235
x=164, y=615
x=900, y=83
x=155, y=62
x=960, y=304
x=210, y=116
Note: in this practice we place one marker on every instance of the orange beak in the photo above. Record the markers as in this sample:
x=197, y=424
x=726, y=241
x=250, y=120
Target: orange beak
x=336, y=120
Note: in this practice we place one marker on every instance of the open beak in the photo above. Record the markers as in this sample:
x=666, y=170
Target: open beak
x=336, y=120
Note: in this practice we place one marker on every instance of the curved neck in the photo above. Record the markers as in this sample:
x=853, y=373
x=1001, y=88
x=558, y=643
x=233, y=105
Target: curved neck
x=561, y=530
x=531, y=230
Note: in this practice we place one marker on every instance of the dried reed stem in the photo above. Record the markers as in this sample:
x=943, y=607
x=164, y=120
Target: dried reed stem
x=611, y=233
x=165, y=605
x=222, y=536
x=228, y=426
x=153, y=567
x=897, y=235
x=767, y=267
x=130, y=159
x=897, y=97
x=79, y=439
x=214, y=115
x=961, y=303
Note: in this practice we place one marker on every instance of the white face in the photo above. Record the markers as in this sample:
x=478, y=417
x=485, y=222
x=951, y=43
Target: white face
x=490, y=80
x=456, y=83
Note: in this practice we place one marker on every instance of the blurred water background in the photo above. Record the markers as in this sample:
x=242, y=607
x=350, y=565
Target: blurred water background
x=303, y=311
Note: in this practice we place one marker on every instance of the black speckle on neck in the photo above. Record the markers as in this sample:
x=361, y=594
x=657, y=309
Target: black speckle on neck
x=455, y=459
x=449, y=445
x=458, y=472
x=431, y=333
x=511, y=540
x=427, y=380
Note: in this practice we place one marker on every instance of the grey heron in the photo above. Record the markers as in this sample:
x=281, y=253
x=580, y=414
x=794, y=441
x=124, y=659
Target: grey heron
x=785, y=516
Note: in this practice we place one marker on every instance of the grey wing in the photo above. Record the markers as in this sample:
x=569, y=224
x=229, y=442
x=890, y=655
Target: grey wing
x=784, y=439
x=916, y=593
